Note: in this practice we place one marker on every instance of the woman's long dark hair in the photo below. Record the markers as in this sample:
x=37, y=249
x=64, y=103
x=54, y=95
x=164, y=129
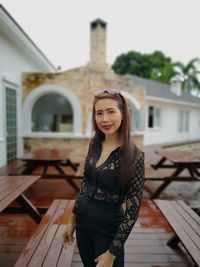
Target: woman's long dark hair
x=128, y=150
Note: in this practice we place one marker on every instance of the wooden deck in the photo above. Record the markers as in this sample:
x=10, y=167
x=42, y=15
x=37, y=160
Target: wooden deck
x=145, y=247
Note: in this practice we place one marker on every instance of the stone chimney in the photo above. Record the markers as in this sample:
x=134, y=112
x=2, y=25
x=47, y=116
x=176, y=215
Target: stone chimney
x=98, y=43
x=176, y=83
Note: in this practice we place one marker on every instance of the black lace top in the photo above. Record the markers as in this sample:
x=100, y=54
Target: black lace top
x=100, y=183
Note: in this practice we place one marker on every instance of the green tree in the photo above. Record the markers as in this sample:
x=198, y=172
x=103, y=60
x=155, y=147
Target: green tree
x=162, y=68
x=189, y=74
x=155, y=66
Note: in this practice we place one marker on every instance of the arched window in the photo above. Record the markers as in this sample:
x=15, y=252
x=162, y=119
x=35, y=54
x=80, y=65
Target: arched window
x=52, y=113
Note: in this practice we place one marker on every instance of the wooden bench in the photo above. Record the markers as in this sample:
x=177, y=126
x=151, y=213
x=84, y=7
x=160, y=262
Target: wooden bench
x=45, y=248
x=186, y=225
x=12, y=167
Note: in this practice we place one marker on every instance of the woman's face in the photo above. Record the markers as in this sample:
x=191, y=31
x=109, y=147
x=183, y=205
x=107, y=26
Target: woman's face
x=108, y=116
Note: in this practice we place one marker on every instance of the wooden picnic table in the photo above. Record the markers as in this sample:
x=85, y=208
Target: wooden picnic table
x=12, y=188
x=56, y=158
x=179, y=162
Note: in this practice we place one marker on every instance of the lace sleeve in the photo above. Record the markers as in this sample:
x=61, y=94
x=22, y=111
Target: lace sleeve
x=81, y=191
x=133, y=196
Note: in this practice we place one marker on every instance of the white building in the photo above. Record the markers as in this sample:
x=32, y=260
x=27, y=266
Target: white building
x=18, y=54
x=170, y=114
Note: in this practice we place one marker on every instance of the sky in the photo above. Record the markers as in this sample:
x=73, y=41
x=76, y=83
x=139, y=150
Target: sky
x=61, y=28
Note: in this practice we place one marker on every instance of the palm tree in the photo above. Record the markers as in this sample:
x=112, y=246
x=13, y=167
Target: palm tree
x=189, y=74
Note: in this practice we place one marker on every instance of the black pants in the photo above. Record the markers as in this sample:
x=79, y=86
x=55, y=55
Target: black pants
x=96, y=225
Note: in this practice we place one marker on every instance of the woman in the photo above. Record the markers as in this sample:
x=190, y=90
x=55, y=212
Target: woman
x=113, y=174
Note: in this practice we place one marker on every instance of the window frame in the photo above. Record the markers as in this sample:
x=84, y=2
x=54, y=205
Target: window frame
x=183, y=121
x=154, y=109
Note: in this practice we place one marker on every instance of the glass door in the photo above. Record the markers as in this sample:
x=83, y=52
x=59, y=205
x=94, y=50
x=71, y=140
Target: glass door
x=11, y=123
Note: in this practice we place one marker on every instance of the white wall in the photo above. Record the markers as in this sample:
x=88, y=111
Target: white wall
x=168, y=131
x=13, y=61
x=15, y=58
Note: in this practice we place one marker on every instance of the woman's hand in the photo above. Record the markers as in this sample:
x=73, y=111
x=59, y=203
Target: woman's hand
x=68, y=235
x=105, y=260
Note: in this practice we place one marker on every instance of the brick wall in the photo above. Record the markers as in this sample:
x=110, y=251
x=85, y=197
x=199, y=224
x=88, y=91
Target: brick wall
x=83, y=82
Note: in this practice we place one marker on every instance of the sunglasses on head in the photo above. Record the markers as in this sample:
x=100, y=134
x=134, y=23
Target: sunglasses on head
x=108, y=91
